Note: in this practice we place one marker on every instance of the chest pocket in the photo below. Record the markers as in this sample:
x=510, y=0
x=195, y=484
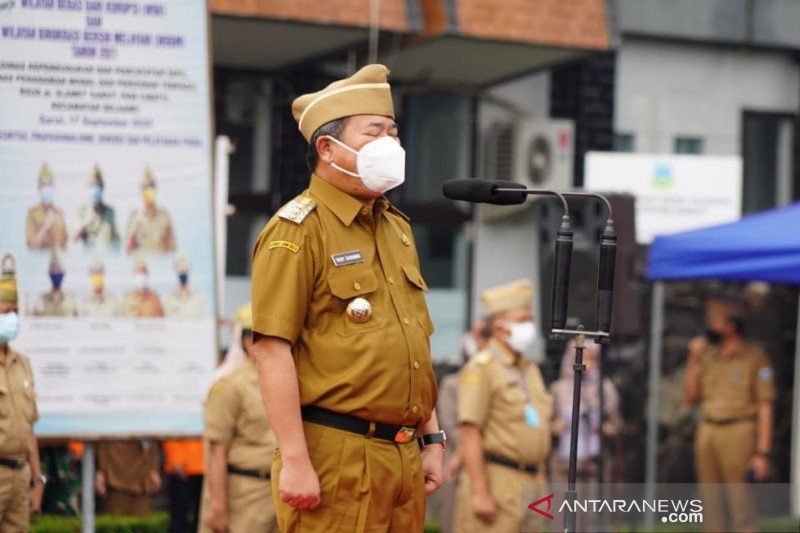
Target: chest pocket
x=28, y=407
x=348, y=285
x=5, y=402
x=417, y=291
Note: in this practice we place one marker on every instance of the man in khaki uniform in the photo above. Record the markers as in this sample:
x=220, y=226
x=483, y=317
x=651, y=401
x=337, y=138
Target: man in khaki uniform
x=184, y=302
x=149, y=229
x=238, y=495
x=127, y=476
x=97, y=224
x=45, y=227
x=142, y=302
x=21, y=480
x=101, y=303
x=504, y=412
x=56, y=301
x=342, y=327
x=732, y=381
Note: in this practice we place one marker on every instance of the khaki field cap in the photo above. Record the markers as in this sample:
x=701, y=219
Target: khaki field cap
x=508, y=297
x=366, y=92
x=8, y=279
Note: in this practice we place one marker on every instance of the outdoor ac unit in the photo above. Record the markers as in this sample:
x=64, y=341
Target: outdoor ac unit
x=537, y=153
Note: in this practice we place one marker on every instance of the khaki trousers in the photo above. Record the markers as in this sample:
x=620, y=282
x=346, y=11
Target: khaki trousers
x=512, y=491
x=14, y=499
x=250, y=506
x=722, y=455
x=366, y=485
x=122, y=503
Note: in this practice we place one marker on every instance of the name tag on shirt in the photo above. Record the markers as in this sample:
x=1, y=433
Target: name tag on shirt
x=347, y=258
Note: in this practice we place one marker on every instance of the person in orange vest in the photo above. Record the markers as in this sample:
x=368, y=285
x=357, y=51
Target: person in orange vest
x=183, y=465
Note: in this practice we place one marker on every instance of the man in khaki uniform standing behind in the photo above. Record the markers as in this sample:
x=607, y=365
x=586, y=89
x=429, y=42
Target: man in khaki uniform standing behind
x=238, y=494
x=732, y=381
x=21, y=480
x=127, y=476
x=342, y=329
x=504, y=412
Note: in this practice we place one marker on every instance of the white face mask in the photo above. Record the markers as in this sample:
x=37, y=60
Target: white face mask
x=522, y=335
x=381, y=163
x=9, y=326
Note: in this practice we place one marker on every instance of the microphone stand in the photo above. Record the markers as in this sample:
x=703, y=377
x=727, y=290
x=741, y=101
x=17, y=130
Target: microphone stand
x=558, y=315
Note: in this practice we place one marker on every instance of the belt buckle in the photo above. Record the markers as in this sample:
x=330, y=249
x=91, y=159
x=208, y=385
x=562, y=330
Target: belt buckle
x=21, y=463
x=405, y=435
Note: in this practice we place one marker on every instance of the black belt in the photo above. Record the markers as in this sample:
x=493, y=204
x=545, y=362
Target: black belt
x=726, y=421
x=13, y=463
x=258, y=474
x=353, y=424
x=531, y=469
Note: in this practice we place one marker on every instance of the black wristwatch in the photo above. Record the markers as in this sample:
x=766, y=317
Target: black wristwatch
x=434, y=438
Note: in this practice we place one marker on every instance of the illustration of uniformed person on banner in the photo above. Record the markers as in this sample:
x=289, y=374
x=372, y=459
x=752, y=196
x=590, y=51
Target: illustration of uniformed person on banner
x=100, y=303
x=45, y=227
x=184, y=302
x=56, y=301
x=142, y=302
x=150, y=228
x=97, y=226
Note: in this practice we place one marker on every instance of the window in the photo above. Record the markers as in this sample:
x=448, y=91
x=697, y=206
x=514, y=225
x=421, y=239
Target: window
x=688, y=145
x=624, y=142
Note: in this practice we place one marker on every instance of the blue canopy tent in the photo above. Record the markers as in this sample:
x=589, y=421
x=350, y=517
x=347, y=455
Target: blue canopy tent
x=760, y=247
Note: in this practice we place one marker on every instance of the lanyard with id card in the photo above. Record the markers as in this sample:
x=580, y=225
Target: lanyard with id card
x=531, y=412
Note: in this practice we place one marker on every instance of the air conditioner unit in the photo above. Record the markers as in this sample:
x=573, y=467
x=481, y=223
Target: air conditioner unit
x=537, y=153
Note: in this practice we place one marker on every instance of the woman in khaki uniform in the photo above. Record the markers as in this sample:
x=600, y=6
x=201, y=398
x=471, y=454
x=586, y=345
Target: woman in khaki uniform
x=238, y=496
x=504, y=412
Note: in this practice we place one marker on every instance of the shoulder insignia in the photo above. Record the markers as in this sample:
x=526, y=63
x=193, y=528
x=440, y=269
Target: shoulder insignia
x=284, y=244
x=298, y=209
x=483, y=358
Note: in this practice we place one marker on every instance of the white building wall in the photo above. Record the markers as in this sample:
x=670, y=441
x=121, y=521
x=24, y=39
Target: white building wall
x=666, y=89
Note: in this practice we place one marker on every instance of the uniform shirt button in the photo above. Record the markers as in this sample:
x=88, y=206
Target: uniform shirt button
x=406, y=321
x=357, y=286
x=414, y=409
x=364, y=211
x=391, y=279
x=416, y=365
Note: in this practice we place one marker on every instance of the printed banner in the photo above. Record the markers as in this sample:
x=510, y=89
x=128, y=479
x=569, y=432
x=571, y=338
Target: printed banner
x=105, y=150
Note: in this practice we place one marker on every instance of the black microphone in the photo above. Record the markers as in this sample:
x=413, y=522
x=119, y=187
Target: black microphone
x=561, y=268
x=605, y=278
x=485, y=191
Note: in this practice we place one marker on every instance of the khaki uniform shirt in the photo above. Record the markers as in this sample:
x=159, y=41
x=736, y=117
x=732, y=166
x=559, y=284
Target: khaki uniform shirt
x=55, y=304
x=45, y=228
x=97, y=228
x=142, y=304
x=105, y=305
x=150, y=232
x=235, y=415
x=128, y=464
x=733, y=387
x=378, y=370
x=492, y=396
x=17, y=406
x=187, y=304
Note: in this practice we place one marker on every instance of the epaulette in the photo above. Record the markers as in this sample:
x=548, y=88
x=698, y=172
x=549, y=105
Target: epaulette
x=483, y=358
x=399, y=213
x=298, y=209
